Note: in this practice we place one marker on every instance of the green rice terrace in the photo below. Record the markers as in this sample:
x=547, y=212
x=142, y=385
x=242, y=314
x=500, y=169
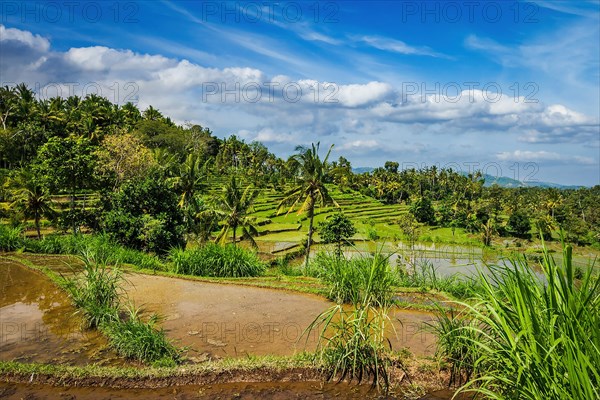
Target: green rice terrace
x=141, y=258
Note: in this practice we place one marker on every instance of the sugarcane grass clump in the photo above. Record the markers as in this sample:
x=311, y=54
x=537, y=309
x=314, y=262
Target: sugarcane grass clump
x=528, y=336
x=352, y=343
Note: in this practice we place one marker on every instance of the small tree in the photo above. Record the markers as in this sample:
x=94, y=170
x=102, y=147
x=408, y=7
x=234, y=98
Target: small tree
x=30, y=198
x=423, y=211
x=519, y=224
x=337, y=229
x=410, y=228
x=144, y=215
x=232, y=208
x=488, y=230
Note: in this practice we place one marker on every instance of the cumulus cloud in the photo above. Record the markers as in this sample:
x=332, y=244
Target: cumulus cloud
x=24, y=37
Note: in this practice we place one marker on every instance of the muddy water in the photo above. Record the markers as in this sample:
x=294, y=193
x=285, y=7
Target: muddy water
x=213, y=320
x=250, y=391
x=229, y=320
x=37, y=322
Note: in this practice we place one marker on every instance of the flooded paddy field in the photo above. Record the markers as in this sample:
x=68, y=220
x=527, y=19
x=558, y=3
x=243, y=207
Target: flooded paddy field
x=211, y=320
x=38, y=322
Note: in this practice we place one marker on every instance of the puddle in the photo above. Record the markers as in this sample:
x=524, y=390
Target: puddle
x=37, y=322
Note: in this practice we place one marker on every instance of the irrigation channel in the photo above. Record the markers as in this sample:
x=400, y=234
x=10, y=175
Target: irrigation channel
x=213, y=320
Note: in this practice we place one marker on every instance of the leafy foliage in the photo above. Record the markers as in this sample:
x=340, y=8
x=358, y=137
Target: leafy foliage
x=529, y=339
x=144, y=215
x=337, y=229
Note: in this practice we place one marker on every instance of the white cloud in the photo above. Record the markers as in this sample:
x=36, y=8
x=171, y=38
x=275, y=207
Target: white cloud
x=25, y=37
x=398, y=46
x=369, y=144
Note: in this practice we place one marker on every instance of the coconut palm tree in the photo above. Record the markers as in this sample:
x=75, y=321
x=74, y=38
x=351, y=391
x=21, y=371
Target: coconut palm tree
x=232, y=208
x=191, y=179
x=310, y=188
x=29, y=197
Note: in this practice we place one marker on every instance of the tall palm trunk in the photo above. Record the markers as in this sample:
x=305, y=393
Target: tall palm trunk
x=311, y=211
x=37, y=225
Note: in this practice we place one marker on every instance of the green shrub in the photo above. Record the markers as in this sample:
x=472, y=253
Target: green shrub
x=216, y=261
x=11, y=239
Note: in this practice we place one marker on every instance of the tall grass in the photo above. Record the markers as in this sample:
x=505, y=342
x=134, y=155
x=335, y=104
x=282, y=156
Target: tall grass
x=214, y=260
x=11, y=239
x=532, y=338
x=138, y=340
x=360, y=279
x=97, y=293
x=352, y=341
x=99, y=244
x=423, y=274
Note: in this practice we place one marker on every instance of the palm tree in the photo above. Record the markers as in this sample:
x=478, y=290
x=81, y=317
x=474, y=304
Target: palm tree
x=310, y=188
x=192, y=175
x=29, y=197
x=232, y=207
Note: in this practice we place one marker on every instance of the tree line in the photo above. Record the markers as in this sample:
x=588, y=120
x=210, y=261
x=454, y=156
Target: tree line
x=152, y=184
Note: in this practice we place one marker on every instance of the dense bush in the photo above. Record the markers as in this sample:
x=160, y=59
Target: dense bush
x=144, y=215
x=423, y=211
x=519, y=224
x=216, y=261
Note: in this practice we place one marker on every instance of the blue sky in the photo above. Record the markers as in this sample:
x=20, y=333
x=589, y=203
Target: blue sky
x=509, y=87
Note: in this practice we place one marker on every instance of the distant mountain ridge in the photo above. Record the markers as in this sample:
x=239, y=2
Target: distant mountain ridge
x=501, y=181
x=506, y=182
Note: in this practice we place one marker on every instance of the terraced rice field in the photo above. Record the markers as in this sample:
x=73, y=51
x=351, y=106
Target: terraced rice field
x=280, y=231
